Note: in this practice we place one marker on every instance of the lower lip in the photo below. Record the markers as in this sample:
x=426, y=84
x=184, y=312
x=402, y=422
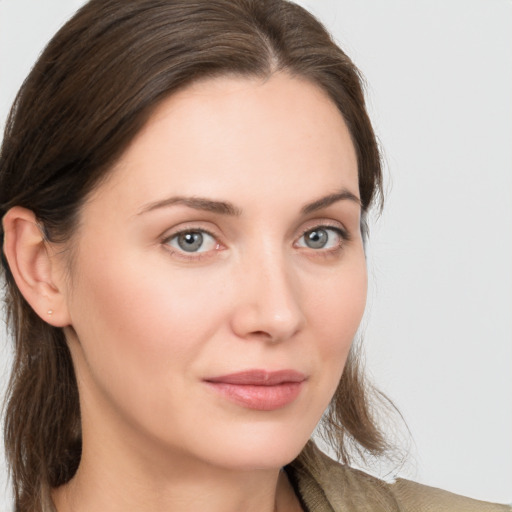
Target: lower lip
x=260, y=398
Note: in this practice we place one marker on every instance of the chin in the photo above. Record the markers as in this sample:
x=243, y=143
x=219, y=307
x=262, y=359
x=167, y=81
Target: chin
x=256, y=447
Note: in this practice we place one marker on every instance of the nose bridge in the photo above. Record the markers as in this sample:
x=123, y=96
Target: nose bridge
x=269, y=298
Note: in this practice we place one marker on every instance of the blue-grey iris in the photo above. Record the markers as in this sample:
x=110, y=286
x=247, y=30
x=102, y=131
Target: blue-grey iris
x=190, y=242
x=316, y=239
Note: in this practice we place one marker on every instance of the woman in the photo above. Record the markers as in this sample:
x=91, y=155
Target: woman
x=184, y=187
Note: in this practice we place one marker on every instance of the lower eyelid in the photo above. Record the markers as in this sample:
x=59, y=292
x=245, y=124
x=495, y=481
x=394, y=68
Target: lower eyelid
x=173, y=236
x=340, y=232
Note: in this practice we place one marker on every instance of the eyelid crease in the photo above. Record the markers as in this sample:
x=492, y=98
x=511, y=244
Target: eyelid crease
x=166, y=237
x=344, y=233
x=321, y=225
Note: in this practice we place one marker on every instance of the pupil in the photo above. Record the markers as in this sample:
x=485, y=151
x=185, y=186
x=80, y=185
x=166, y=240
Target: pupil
x=190, y=242
x=316, y=239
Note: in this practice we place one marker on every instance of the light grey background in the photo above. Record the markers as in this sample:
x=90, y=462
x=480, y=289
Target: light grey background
x=438, y=329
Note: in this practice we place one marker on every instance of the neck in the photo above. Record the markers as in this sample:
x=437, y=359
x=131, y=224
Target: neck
x=115, y=477
x=248, y=491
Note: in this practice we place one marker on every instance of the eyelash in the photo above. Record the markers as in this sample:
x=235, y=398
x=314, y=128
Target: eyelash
x=341, y=232
x=192, y=256
x=198, y=256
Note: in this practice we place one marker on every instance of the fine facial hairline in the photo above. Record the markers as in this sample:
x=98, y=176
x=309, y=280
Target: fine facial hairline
x=226, y=208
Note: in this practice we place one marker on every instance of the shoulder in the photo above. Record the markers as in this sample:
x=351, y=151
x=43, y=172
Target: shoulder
x=414, y=496
x=327, y=486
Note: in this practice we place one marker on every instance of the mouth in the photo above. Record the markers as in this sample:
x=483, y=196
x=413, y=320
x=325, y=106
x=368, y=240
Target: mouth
x=259, y=389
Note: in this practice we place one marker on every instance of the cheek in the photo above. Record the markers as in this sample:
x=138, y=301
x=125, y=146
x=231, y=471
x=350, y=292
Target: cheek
x=139, y=315
x=340, y=307
x=140, y=332
x=336, y=315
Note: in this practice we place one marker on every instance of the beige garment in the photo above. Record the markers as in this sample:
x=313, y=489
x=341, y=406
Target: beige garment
x=324, y=485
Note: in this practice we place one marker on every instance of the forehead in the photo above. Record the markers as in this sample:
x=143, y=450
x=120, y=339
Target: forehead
x=227, y=134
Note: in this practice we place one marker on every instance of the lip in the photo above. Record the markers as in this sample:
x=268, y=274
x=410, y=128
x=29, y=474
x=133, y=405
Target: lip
x=259, y=389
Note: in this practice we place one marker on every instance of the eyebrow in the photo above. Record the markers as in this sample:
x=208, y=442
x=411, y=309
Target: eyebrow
x=326, y=201
x=198, y=203
x=226, y=208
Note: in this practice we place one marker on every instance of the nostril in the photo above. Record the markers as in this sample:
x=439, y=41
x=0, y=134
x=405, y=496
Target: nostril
x=262, y=334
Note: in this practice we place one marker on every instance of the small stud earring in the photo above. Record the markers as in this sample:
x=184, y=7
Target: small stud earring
x=50, y=312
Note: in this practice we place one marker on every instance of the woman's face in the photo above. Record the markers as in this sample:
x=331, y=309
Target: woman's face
x=218, y=277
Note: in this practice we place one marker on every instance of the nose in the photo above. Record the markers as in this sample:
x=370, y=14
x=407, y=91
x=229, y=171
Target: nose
x=268, y=301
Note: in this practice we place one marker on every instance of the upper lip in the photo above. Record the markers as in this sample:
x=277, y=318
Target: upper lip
x=259, y=377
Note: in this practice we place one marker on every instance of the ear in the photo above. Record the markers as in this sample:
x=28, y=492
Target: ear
x=34, y=267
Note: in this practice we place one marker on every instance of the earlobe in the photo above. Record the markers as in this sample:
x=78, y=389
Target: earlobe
x=33, y=267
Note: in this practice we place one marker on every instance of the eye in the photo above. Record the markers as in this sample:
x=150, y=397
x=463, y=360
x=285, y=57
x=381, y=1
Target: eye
x=322, y=237
x=193, y=241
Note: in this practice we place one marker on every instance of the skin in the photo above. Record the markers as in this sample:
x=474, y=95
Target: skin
x=147, y=322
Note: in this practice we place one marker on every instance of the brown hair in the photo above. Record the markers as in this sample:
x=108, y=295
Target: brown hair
x=89, y=94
